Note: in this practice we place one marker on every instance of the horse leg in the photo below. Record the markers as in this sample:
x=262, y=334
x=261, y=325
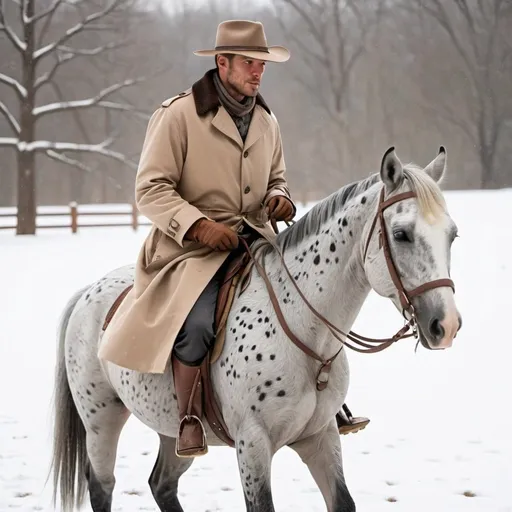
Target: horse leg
x=101, y=451
x=166, y=473
x=321, y=452
x=254, y=453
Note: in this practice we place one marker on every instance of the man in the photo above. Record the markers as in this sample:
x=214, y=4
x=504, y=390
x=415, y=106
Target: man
x=211, y=169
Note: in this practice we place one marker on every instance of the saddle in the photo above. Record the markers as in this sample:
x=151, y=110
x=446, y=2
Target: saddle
x=237, y=273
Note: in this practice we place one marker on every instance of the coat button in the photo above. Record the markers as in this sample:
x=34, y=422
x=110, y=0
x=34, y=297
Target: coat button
x=246, y=154
x=247, y=189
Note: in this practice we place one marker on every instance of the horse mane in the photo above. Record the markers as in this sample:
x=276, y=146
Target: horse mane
x=431, y=204
x=312, y=222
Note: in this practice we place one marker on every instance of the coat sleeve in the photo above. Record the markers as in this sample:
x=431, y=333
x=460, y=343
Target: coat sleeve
x=277, y=184
x=158, y=176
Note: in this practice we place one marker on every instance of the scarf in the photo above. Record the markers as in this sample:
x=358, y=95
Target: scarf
x=240, y=112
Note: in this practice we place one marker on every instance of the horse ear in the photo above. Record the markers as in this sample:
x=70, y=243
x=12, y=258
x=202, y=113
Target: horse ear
x=391, y=170
x=437, y=167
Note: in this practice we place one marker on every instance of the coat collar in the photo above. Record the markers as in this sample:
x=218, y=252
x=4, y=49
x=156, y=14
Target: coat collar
x=206, y=97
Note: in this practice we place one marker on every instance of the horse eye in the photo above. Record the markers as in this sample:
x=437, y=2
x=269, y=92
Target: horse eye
x=400, y=236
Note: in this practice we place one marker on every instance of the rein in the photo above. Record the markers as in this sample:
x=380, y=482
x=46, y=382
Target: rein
x=366, y=344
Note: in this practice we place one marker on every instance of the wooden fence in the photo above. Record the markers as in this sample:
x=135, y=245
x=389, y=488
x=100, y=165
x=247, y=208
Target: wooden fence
x=74, y=216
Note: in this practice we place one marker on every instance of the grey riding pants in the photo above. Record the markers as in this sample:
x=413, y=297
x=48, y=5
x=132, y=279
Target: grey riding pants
x=197, y=333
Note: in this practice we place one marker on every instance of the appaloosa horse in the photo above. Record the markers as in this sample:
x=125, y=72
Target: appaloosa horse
x=390, y=232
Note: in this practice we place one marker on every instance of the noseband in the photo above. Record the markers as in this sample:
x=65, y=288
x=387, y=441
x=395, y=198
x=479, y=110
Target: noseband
x=366, y=345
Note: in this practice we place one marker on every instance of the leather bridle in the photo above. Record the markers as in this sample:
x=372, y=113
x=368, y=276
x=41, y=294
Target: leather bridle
x=366, y=345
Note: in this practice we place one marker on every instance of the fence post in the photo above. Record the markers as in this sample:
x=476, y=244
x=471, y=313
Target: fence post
x=74, y=217
x=135, y=217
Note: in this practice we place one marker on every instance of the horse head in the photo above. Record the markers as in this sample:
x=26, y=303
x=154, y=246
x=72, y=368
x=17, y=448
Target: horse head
x=407, y=248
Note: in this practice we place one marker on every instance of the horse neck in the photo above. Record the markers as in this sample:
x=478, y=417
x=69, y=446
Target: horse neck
x=327, y=267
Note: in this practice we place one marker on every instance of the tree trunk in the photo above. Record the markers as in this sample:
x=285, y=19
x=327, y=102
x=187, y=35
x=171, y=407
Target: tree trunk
x=26, y=222
x=26, y=193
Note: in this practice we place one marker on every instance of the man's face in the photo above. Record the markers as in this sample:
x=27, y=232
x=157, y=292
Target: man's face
x=242, y=75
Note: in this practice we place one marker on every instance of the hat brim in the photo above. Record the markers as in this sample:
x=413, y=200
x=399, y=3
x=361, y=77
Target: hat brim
x=274, y=54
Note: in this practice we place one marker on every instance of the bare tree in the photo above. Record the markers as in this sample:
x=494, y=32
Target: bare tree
x=331, y=36
x=33, y=49
x=480, y=105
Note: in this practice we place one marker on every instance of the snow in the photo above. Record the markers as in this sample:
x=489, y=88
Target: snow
x=439, y=438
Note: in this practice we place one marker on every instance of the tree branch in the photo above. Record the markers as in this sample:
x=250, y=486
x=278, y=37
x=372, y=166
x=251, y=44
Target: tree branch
x=11, y=35
x=52, y=108
x=70, y=54
x=13, y=123
x=14, y=84
x=8, y=142
x=42, y=52
x=46, y=12
x=70, y=161
x=100, y=149
x=47, y=23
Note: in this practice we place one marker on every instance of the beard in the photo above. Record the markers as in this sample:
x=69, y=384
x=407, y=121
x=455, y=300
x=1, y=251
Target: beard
x=236, y=87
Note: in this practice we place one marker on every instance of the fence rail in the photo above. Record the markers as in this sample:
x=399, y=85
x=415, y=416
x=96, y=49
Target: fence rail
x=74, y=214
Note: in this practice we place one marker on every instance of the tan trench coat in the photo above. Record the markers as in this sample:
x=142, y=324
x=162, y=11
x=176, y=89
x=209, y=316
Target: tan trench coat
x=193, y=164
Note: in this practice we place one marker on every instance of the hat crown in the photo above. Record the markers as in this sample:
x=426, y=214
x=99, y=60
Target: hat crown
x=240, y=33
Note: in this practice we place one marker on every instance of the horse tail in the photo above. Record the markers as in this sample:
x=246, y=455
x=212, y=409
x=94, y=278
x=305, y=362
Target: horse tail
x=69, y=460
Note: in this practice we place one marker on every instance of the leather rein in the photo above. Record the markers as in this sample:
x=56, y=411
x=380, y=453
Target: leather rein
x=366, y=344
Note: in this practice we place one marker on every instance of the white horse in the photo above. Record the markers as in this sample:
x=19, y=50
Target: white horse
x=266, y=387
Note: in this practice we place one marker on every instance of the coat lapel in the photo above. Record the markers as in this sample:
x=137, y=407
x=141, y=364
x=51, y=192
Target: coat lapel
x=259, y=125
x=223, y=122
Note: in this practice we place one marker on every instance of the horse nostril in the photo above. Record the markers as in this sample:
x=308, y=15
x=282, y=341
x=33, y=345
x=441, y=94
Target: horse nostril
x=460, y=322
x=436, y=329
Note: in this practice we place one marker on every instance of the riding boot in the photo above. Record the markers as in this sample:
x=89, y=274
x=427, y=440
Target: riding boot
x=191, y=441
x=347, y=423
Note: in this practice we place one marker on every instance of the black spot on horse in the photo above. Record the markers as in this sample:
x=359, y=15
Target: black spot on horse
x=240, y=348
x=268, y=383
x=243, y=309
x=267, y=334
x=363, y=200
x=281, y=392
x=316, y=261
x=253, y=347
x=332, y=247
x=259, y=357
x=344, y=222
x=272, y=356
x=262, y=397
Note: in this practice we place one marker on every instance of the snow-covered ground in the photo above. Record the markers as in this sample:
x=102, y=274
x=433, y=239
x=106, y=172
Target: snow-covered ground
x=441, y=431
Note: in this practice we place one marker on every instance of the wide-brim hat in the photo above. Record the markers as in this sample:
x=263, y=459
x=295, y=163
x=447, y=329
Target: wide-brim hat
x=247, y=38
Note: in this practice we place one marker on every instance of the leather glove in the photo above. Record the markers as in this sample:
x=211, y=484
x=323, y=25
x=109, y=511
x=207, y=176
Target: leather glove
x=215, y=235
x=280, y=208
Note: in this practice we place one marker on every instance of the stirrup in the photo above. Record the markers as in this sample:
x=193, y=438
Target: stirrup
x=189, y=453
